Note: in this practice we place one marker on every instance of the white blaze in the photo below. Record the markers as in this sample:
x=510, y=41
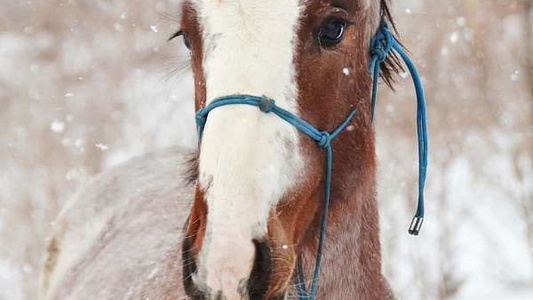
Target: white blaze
x=248, y=158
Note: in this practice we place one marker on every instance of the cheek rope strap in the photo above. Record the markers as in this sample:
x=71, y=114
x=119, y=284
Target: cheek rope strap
x=382, y=43
x=380, y=46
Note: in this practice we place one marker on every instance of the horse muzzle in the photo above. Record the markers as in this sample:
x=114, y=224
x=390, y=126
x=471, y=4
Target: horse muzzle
x=254, y=287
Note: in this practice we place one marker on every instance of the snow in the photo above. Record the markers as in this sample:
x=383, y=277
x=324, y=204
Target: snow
x=454, y=37
x=57, y=126
x=102, y=147
x=81, y=91
x=346, y=71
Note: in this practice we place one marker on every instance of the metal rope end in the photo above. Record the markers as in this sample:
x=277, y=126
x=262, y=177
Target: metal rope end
x=416, y=224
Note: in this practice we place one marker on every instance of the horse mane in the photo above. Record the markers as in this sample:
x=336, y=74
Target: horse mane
x=392, y=65
x=191, y=168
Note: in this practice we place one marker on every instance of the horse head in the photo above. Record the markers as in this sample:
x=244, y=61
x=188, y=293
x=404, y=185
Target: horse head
x=258, y=195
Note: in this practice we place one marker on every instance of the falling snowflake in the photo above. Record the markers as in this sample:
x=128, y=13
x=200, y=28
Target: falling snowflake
x=57, y=126
x=346, y=71
x=454, y=37
x=118, y=27
x=102, y=147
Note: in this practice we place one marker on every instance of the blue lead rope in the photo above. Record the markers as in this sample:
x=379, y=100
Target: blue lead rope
x=380, y=46
x=382, y=43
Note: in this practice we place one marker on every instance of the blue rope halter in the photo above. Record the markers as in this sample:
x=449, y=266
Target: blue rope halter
x=381, y=44
x=323, y=139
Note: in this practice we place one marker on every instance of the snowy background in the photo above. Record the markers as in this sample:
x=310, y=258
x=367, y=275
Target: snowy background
x=88, y=84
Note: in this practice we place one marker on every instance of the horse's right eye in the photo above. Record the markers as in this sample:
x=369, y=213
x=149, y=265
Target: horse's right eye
x=331, y=32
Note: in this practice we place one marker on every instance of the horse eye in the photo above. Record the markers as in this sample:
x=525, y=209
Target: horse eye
x=186, y=42
x=331, y=32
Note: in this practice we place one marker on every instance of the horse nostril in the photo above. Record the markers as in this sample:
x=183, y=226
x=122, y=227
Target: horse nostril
x=260, y=276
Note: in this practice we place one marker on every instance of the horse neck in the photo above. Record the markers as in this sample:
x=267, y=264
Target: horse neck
x=351, y=262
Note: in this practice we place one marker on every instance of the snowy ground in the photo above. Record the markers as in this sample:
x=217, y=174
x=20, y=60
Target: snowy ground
x=87, y=84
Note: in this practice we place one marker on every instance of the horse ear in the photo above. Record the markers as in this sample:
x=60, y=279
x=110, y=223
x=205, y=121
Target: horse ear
x=392, y=65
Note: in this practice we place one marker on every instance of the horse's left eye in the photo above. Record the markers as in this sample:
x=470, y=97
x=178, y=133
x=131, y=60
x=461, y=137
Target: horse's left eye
x=186, y=42
x=331, y=32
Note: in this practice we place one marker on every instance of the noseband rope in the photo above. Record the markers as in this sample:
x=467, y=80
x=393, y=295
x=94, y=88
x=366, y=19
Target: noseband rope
x=381, y=45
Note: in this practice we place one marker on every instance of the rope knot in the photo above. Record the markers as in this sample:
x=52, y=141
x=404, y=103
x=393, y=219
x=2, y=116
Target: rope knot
x=266, y=104
x=381, y=44
x=325, y=139
x=200, y=118
x=379, y=54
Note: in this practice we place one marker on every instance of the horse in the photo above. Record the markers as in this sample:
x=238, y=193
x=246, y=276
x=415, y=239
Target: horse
x=242, y=217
